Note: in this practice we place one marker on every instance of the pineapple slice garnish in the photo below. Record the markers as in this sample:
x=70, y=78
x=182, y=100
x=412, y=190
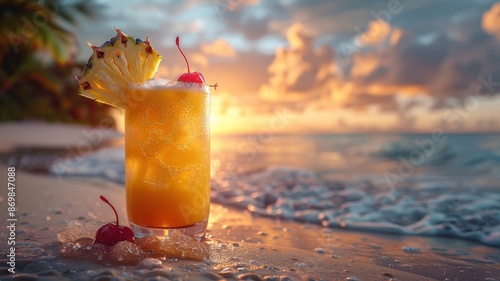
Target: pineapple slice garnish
x=114, y=66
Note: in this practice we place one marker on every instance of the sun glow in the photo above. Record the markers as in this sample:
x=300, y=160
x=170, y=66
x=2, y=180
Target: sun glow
x=213, y=120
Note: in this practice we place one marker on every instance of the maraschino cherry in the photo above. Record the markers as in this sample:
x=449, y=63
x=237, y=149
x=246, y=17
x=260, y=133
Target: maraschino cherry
x=110, y=233
x=190, y=77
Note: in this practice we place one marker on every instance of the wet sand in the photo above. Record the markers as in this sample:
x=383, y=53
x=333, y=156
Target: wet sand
x=243, y=246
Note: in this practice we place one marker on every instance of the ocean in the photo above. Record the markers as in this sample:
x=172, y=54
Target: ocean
x=436, y=184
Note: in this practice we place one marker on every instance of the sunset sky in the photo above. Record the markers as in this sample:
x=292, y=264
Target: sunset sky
x=293, y=66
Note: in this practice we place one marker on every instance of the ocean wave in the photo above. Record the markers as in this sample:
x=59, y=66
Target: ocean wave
x=107, y=164
x=436, y=209
x=483, y=159
x=430, y=153
x=418, y=207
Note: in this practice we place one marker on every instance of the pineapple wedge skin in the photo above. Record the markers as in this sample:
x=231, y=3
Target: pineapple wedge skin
x=114, y=65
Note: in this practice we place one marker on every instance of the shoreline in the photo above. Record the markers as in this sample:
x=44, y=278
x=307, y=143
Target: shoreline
x=241, y=243
x=35, y=146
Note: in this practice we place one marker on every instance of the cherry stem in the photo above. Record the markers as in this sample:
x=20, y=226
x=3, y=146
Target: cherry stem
x=179, y=47
x=116, y=214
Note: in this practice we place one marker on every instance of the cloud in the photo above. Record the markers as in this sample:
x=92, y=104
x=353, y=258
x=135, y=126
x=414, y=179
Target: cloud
x=300, y=71
x=303, y=73
x=256, y=21
x=429, y=50
x=491, y=20
x=445, y=69
x=377, y=32
x=219, y=48
x=241, y=76
x=390, y=63
x=238, y=4
x=199, y=59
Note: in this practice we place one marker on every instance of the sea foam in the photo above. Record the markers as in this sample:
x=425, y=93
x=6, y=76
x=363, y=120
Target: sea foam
x=430, y=208
x=455, y=193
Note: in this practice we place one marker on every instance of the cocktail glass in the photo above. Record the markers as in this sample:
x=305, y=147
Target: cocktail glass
x=167, y=158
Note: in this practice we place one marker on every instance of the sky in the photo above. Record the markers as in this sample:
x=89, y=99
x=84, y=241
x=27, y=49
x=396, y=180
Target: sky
x=331, y=66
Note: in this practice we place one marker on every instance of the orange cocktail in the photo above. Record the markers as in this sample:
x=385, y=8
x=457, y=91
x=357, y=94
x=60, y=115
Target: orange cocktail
x=167, y=148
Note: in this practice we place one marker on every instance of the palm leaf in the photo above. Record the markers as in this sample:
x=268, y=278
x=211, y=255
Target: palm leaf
x=28, y=88
x=51, y=36
x=86, y=9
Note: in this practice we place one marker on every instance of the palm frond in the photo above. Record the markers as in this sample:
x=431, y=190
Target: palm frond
x=87, y=8
x=28, y=87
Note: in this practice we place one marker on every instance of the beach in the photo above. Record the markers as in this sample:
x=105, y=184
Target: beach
x=243, y=244
x=250, y=140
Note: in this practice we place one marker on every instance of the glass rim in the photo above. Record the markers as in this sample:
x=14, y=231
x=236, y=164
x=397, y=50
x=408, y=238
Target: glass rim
x=161, y=83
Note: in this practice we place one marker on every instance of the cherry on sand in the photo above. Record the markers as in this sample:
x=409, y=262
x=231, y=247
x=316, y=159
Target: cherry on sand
x=189, y=77
x=110, y=234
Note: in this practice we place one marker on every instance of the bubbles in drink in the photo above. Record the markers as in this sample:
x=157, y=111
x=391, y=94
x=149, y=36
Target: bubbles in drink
x=168, y=139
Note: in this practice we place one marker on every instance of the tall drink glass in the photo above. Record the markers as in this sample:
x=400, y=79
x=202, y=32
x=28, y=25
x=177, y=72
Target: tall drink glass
x=167, y=158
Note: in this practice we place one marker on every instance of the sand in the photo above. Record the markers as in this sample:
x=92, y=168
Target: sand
x=42, y=134
x=243, y=247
